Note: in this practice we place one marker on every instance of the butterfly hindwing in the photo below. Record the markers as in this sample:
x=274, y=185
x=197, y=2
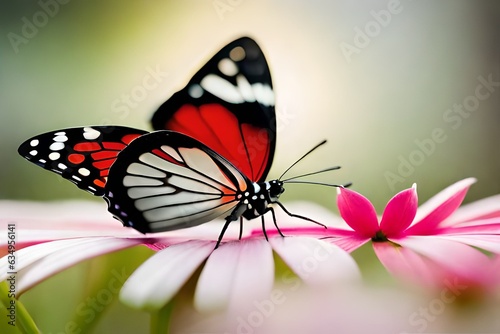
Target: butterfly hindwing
x=229, y=106
x=166, y=180
x=81, y=155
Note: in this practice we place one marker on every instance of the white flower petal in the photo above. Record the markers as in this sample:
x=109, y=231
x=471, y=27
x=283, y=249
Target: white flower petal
x=38, y=262
x=486, y=207
x=316, y=261
x=157, y=281
x=236, y=275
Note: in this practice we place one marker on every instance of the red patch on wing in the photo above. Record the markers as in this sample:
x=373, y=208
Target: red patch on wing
x=101, y=155
x=103, y=164
x=128, y=138
x=87, y=146
x=245, y=146
x=113, y=146
x=257, y=145
x=76, y=158
x=99, y=183
x=167, y=157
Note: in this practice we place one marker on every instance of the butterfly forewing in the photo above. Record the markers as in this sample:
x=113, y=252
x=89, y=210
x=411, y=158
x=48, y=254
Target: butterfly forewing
x=229, y=106
x=81, y=155
x=166, y=180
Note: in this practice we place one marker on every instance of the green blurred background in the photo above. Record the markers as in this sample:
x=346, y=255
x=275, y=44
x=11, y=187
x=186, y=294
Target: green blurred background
x=373, y=84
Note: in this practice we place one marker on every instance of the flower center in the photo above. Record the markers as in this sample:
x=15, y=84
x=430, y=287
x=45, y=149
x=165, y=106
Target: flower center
x=379, y=237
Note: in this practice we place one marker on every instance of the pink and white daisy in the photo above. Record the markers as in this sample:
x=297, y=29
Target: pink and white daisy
x=428, y=244
x=53, y=237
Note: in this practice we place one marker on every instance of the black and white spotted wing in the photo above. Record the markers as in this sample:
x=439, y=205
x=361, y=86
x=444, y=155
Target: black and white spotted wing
x=166, y=180
x=80, y=155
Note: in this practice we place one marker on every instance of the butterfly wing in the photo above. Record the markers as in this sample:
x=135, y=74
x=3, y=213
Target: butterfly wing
x=229, y=106
x=81, y=155
x=166, y=180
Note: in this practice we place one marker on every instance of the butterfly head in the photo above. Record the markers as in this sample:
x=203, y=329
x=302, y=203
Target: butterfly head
x=275, y=190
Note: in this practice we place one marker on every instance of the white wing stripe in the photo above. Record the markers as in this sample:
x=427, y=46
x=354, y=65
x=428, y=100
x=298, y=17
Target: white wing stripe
x=245, y=88
x=139, y=192
x=155, y=161
x=178, y=211
x=170, y=151
x=167, y=200
x=199, y=160
x=221, y=88
x=141, y=169
x=192, y=220
x=130, y=181
x=192, y=185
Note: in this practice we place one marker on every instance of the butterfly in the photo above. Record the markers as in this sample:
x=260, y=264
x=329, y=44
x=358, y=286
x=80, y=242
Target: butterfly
x=210, y=156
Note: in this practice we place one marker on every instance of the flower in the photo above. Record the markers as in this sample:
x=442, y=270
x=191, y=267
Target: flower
x=52, y=237
x=428, y=245
x=239, y=272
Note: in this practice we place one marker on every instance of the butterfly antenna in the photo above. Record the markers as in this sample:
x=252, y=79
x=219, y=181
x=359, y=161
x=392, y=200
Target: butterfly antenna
x=312, y=173
x=302, y=157
x=323, y=184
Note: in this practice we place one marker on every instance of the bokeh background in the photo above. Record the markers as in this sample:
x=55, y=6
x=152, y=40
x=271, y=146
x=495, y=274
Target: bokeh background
x=375, y=78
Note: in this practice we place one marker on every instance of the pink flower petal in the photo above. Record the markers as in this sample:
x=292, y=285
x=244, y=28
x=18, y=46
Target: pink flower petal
x=399, y=212
x=157, y=280
x=357, y=212
x=405, y=263
x=458, y=259
x=482, y=209
x=349, y=243
x=236, y=275
x=316, y=261
x=438, y=208
x=37, y=263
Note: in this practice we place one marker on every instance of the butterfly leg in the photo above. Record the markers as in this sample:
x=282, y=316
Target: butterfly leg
x=264, y=227
x=299, y=216
x=235, y=214
x=275, y=222
x=241, y=228
x=221, y=235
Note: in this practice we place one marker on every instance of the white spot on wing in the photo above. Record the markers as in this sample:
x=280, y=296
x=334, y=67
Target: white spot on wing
x=76, y=178
x=56, y=146
x=221, y=88
x=54, y=156
x=264, y=94
x=60, y=133
x=90, y=134
x=195, y=91
x=61, y=138
x=84, y=171
x=245, y=88
x=62, y=166
x=34, y=142
x=237, y=54
x=34, y=152
x=228, y=67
